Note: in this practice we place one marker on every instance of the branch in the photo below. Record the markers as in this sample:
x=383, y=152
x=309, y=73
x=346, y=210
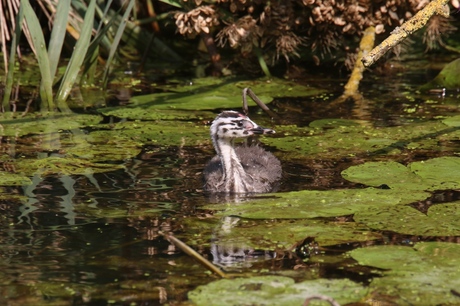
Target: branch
x=420, y=19
x=366, y=44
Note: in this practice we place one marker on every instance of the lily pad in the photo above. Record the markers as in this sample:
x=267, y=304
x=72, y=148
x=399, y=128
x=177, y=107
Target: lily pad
x=60, y=165
x=205, y=94
x=435, y=174
x=391, y=174
x=424, y=274
x=159, y=132
x=311, y=204
x=448, y=78
x=339, y=139
x=37, y=123
x=143, y=113
x=13, y=179
x=264, y=290
x=271, y=234
x=452, y=121
x=440, y=220
x=102, y=146
x=329, y=123
x=439, y=173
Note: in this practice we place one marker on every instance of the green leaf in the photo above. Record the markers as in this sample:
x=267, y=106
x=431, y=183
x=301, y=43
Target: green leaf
x=116, y=42
x=12, y=59
x=38, y=40
x=448, y=78
x=440, y=220
x=175, y=3
x=78, y=55
x=434, y=174
x=312, y=203
x=58, y=34
x=271, y=234
x=265, y=290
x=422, y=275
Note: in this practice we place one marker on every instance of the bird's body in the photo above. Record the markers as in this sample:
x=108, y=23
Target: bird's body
x=242, y=169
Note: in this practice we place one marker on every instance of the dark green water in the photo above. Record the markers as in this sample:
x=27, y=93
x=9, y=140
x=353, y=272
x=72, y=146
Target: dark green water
x=93, y=239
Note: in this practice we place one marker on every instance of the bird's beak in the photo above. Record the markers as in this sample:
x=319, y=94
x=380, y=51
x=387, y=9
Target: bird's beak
x=262, y=130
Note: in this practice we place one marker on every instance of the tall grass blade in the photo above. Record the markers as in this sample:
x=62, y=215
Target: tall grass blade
x=90, y=62
x=175, y=3
x=104, y=15
x=12, y=59
x=116, y=42
x=58, y=35
x=78, y=55
x=262, y=63
x=38, y=41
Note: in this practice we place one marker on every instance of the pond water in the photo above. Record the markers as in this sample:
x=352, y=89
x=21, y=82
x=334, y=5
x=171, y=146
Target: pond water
x=92, y=238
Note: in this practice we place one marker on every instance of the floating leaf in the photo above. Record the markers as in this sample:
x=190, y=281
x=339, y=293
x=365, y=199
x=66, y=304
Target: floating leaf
x=448, y=78
x=440, y=220
x=13, y=179
x=312, y=203
x=207, y=94
x=425, y=274
x=392, y=174
x=272, y=234
x=434, y=174
x=36, y=124
x=452, y=121
x=58, y=165
x=337, y=139
x=264, y=290
x=439, y=173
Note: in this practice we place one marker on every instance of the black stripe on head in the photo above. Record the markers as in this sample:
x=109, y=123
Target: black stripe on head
x=231, y=114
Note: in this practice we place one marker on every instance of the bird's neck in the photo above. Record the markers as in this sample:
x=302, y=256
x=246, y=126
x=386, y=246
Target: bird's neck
x=234, y=176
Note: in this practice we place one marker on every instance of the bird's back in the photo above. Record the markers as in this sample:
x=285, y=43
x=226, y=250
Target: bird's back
x=263, y=170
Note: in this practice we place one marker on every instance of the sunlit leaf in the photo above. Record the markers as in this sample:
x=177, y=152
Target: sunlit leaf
x=422, y=275
x=311, y=203
x=46, y=92
x=440, y=220
x=58, y=34
x=116, y=41
x=78, y=55
x=434, y=174
x=264, y=290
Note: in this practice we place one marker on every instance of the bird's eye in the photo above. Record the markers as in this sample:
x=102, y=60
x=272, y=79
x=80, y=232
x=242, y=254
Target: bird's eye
x=240, y=123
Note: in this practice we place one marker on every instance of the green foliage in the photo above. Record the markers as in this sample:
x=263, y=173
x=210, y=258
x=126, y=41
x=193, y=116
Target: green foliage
x=448, y=78
x=422, y=275
x=116, y=42
x=77, y=58
x=38, y=40
x=12, y=57
x=84, y=53
x=265, y=290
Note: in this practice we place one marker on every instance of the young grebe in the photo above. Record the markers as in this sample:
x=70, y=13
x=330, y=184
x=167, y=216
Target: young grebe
x=241, y=169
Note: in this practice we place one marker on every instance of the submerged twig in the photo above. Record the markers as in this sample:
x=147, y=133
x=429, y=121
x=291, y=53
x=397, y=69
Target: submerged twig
x=188, y=250
x=420, y=19
x=248, y=92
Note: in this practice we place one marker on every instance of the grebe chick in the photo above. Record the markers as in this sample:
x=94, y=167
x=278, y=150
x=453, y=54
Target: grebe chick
x=244, y=169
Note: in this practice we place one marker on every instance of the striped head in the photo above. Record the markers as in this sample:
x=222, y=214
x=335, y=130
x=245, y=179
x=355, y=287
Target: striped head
x=230, y=124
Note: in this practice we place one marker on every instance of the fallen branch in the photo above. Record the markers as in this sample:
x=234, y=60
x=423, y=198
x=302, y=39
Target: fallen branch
x=366, y=45
x=188, y=250
x=418, y=21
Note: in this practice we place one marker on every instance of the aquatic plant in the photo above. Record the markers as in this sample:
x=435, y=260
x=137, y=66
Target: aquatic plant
x=76, y=18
